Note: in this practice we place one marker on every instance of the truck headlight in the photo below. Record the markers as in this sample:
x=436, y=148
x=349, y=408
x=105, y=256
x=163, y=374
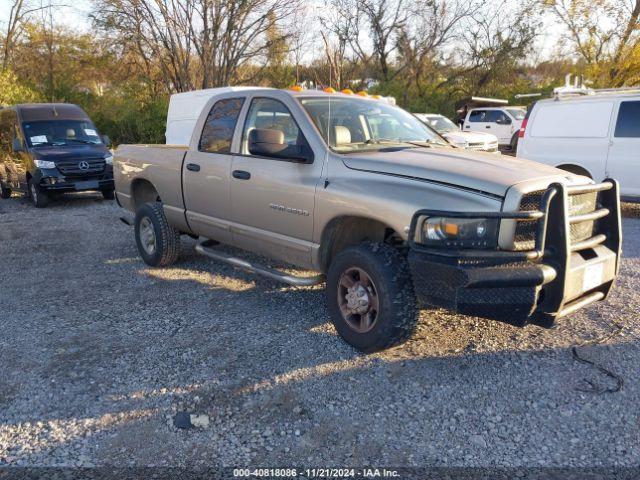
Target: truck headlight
x=460, y=232
x=108, y=159
x=44, y=164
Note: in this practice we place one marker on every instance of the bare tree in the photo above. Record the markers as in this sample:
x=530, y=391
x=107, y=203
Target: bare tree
x=198, y=43
x=385, y=20
x=340, y=30
x=20, y=12
x=497, y=41
x=615, y=42
x=433, y=24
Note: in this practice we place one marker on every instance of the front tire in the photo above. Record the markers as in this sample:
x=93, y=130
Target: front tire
x=5, y=192
x=39, y=197
x=108, y=193
x=158, y=243
x=370, y=296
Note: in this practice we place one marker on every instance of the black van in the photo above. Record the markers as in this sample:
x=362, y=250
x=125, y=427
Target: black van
x=47, y=148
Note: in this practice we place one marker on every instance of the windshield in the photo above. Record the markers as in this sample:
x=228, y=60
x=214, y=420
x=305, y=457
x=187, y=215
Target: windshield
x=440, y=124
x=517, y=113
x=60, y=132
x=357, y=124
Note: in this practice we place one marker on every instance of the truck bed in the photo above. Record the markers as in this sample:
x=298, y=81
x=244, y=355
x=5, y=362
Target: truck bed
x=161, y=165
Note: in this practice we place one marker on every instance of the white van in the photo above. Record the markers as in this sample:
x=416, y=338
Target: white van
x=596, y=135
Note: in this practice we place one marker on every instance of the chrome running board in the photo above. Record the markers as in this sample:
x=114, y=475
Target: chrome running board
x=204, y=249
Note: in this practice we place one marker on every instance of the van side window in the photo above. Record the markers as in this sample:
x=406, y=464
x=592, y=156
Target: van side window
x=478, y=116
x=628, y=124
x=217, y=133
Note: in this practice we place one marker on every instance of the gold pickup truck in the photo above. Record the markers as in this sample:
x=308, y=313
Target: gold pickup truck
x=387, y=213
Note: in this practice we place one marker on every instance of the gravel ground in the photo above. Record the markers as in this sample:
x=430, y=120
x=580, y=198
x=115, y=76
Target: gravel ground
x=100, y=352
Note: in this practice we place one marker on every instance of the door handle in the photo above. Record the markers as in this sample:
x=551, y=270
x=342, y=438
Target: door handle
x=241, y=175
x=488, y=126
x=193, y=167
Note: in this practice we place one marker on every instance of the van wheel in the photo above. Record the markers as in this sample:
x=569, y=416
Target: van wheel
x=108, y=193
x=158, y=243
x=39, y=197
x=514, y=142
x=576, y=170
x=5, y=192
x=370, y=296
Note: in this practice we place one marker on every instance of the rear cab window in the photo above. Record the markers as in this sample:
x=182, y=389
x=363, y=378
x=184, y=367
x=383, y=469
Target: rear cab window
x=217, y=133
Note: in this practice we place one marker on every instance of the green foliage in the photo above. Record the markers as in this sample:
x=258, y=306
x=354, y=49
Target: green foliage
x=13, y=91
x=130, y=115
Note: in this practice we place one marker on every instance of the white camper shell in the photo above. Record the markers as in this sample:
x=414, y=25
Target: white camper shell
x=185, y=109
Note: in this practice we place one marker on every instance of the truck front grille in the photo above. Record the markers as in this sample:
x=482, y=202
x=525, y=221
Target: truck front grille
x=82, y=166
x=525, y=236
x=579, y=204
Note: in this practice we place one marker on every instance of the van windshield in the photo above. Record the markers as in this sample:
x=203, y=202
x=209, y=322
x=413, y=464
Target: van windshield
x=440, y=124
x=517, y=113
x=60, y=132
x=355, y=125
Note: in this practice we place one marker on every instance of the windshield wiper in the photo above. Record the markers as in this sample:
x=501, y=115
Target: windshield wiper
x=381, y=140
x=427, y=143
x=87, y=142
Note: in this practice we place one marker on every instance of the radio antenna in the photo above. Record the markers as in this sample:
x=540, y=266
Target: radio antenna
x=326, y=176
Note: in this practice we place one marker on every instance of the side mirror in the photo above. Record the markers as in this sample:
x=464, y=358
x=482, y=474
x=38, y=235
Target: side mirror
x=503, y=121
x=17, y=145
x=106, y=140
x=270, y=143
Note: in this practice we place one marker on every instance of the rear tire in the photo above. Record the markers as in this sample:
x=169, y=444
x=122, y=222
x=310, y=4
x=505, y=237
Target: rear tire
x=514, y=142
x=108, y=194
x=381, y=276
x=5, y=192
x=39, y=197
x=158, y=243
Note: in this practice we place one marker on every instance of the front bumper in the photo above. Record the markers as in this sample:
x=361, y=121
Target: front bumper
x=53, y=181
x=537, y=286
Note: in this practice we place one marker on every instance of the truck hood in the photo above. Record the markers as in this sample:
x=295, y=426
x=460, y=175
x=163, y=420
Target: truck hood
x=458, y=136
x=484, y=172
x=65, y=152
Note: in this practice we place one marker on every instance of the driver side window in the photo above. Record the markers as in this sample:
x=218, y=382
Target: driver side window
x=270, y=114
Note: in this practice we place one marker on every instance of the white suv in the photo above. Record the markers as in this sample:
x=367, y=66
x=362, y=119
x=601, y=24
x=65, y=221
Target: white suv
x=503, y=122
x=478, y=141
x=596, y=135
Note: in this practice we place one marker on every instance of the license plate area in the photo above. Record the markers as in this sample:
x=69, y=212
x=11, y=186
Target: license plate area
x=87, y=185
x=585, y=275
x=592, y=276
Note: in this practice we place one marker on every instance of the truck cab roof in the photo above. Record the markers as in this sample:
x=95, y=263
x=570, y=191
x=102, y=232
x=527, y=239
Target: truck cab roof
x=185, y=108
